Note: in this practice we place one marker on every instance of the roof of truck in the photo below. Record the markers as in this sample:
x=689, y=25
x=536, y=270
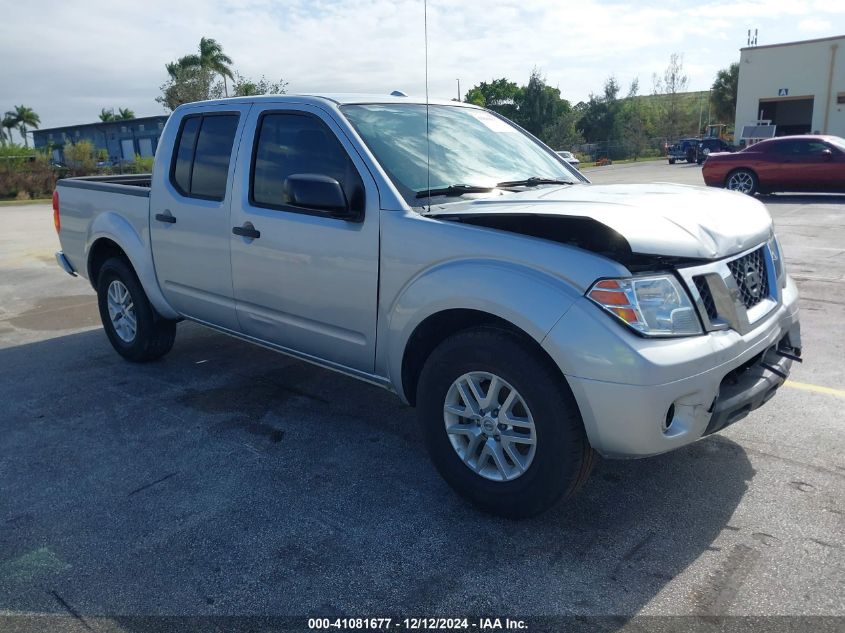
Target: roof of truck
x=336, y=98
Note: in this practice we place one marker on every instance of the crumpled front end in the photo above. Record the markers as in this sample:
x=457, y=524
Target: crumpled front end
x=642, y=396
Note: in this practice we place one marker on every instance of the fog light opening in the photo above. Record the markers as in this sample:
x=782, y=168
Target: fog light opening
x=670, y=417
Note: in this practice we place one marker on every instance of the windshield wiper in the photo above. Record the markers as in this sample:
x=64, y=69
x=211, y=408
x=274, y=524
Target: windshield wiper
x=453, y=190
x=534, y=180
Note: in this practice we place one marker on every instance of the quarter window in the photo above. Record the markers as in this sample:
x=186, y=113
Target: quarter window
x=201, y=158
x=299, y=144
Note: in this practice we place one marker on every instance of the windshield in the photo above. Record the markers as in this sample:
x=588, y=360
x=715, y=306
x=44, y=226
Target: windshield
x=468, y=147
x=837, y=141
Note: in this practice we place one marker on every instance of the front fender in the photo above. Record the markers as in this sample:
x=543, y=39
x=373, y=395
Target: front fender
x=114, y=227
x=529, y=299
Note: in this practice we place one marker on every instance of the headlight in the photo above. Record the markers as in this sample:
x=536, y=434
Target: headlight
x=777, y=258
x=653, y=306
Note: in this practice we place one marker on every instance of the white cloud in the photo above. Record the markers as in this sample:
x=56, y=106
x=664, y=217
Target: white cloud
x=814, y=25
x=69, y=61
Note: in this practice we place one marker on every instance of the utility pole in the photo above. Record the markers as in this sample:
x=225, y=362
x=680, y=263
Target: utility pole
x=709, y=104
x=459, y=89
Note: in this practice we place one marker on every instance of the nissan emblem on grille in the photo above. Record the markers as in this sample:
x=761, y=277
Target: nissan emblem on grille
x=752, y=282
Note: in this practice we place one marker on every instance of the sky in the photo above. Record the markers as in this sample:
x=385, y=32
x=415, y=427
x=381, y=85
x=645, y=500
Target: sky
x=68, y=59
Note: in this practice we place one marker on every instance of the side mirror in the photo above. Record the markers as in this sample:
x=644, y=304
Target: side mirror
x=827, y=154
x=317, y=192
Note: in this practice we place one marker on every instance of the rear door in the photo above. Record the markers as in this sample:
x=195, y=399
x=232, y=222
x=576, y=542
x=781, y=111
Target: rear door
x=309, y=283
x=189, y=215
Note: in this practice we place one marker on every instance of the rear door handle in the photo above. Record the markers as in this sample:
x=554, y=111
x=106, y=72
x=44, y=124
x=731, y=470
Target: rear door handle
x=166, y=217
x=247, y=230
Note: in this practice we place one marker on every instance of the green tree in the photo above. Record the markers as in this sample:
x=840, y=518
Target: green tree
x=80, y=158
x=723, y=95
x=539, y=105
x=211, y=57
x=106, y=115
x=187, y=84
x=6, y=126
x=246, y=87
x=563, y=133
x=671, y=85
x=635, y=121
x=500, y=95
x=598, y=121
x=23, y=118
x=124, y=114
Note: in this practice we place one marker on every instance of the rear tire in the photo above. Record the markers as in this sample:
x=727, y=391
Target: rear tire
x=135, y=330
x=671, y=161
x=517, y=478
x=743, y=181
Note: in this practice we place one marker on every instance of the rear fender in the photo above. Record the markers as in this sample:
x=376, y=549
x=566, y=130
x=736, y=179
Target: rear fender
x=114, y=227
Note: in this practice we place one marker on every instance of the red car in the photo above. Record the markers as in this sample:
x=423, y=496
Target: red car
x=787, y=163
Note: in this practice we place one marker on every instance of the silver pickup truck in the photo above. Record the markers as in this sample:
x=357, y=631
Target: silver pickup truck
x=441, y=252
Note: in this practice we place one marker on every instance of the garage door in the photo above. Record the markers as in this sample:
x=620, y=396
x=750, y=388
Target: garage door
x=127, y=148
x=791, y=116
x=145, y=147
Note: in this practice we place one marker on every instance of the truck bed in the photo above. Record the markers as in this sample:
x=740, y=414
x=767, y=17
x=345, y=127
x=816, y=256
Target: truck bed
x=99, y=205
x=131, y=184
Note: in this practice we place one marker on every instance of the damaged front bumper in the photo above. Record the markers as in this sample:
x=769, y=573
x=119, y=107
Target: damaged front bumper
x=640, y=397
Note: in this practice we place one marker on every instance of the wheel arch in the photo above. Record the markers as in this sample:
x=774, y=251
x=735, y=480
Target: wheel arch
x=733, y=170
x=112, y=235
x=463, y=294
x=439, y=326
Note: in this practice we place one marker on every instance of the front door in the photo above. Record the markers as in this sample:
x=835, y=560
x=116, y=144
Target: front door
x=309, y=281
x=804, y=165
x=189, y=216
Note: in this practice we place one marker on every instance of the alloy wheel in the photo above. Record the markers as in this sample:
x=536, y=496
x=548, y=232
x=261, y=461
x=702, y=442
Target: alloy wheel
x=122, y=311
x=490, y=426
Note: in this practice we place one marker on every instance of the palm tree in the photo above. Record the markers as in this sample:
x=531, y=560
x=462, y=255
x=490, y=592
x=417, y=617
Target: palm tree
x=124, y=114
x=211, y=57
x=106, y=115
x=183, y=63
x=9, y=123
x=23, y=117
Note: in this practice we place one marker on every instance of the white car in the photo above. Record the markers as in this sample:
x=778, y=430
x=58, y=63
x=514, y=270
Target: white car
x=569, y=157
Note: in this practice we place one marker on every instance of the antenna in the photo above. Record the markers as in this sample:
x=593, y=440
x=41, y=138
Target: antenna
x=427, y=139
x=752, y=39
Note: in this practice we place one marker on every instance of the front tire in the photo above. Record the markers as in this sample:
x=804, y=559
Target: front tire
x=742, y=180
x=135, y=330
x=501, y=424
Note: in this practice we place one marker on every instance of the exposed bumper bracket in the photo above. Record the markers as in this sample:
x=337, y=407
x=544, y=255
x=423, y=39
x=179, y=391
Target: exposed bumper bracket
x=751, y=386
x=65, y=264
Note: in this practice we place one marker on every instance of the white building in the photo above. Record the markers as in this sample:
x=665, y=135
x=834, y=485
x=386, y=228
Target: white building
x=798, y=86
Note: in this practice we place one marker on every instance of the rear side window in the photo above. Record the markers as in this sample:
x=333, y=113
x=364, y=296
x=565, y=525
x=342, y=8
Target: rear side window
x=184, y=156
x=202, y=154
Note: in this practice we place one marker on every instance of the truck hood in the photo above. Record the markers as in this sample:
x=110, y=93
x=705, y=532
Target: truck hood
x=654, y=219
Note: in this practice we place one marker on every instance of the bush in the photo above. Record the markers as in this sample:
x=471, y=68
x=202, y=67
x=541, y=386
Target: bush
x=25, y=174
x=80, y=158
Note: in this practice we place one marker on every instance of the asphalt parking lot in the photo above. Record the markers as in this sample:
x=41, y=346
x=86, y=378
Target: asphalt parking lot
x=230, y=480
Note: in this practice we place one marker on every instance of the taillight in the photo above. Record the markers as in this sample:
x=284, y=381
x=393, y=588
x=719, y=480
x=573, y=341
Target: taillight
x=56, y=220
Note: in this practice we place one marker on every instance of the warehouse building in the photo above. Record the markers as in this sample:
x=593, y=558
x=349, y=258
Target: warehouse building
x=797, y=87
x=120, y=139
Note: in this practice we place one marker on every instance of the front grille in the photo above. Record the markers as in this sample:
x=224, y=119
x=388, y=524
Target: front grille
x=749, y=272
x=706, y=297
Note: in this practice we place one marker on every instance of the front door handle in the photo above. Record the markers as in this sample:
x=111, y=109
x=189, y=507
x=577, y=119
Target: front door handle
x=166, y=217
x=247, y=230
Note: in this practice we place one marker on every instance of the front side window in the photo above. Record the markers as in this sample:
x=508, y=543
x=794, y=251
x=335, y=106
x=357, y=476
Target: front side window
x=201, y=158
x=299, y=144
x=464, y=146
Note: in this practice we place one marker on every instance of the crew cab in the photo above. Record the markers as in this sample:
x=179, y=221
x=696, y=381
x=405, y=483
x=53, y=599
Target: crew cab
x=441, y=252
